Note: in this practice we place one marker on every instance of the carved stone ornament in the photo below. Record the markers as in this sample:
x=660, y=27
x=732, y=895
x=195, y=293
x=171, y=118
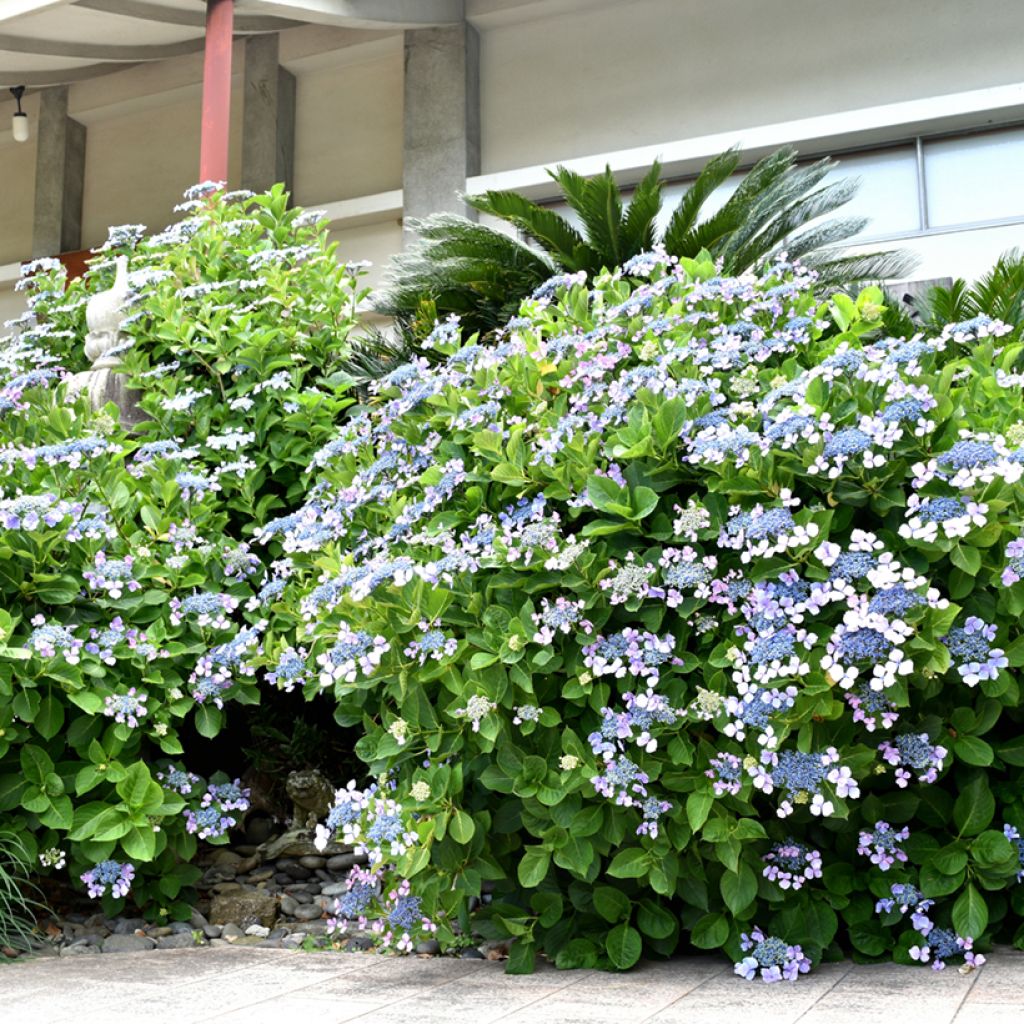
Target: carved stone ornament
x=104, y=314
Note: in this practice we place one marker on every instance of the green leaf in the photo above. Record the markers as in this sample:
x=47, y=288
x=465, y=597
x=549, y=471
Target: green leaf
x=654, y=920
x=607, y=496
x=533, y=866
x=629, y=863
x=698, y=807
x=134, y=788
x=966, y=558
x=91, y=703
x=623, y=946
x=611, y=904
x=49, y=717
x=974, y=807
x=522, y=958
x=208, y=720
x=972, y=750
x=139, y=843
x=461, y=828
x=970, y=913
x=710, y=932
x=643, y=501
x=950, y=860
x=739, y=888
x=577, y=954
x=35, y=764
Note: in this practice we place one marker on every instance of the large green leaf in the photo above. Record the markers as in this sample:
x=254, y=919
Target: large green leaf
x=533, y=866
x=623, y=946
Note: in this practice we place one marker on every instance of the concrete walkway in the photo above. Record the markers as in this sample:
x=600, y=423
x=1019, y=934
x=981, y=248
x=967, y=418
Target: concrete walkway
x=261, y=986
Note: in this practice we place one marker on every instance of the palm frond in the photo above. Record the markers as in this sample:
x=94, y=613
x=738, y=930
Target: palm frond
x=684, y=218
x=1000, y=292
x=639, y=224
x=463, y=268
x=601, y=213
x=781, y=220
x=545, y=227
x=950, y=305
x=838, y=268
x=761, y=210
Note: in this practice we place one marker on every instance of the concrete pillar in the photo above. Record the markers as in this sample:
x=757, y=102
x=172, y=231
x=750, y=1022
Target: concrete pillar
x=442, y=118
x=60, y=176
x=268, y=122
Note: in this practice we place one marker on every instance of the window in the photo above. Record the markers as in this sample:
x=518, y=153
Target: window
x=975, y=178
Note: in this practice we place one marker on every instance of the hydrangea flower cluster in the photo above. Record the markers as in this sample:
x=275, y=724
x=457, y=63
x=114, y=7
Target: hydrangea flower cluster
x=432, y=643
x=376, y=825
x=789, y=864
x=802, y=778
x=354, y=652
x=109, y=876
x=126, y=708
x=970, y=647
x=883, y=845
x=772, y=958
x=214, y=815
x=940, y=945
x=112, y=576
x=907, y=898
x=912, y=753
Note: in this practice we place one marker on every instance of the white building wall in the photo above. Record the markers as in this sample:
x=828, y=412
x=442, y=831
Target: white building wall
x=560, y=79
x=649, y=71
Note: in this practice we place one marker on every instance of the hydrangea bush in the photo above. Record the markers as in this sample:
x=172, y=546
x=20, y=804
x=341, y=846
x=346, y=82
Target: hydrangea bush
x=686, y=612
x=132, y=598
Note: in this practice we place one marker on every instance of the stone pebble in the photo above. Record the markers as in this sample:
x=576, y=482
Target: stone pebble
x=121, y=943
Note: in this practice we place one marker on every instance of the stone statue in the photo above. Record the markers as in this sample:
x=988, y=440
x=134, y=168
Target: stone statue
x=104, y=314
x=311, y=795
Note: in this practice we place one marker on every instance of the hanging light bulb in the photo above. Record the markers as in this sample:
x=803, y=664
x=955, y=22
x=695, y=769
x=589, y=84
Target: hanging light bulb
x=19, y=121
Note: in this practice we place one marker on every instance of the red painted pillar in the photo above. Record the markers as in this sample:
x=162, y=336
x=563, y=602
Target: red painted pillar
x=216, y=129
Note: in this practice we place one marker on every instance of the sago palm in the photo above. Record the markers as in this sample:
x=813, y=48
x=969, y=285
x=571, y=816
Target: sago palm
x=458, y=266
x=999, y=294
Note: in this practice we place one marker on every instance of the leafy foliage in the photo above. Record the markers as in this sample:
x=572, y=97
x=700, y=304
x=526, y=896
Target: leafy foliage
x=131, y=596
x=17, y=900
x=686, y=612
x=999, y=294
x=481, y=274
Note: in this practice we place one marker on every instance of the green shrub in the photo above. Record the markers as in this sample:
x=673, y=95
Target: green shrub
x=131, y=600
x=480, y=274
x=689, y=607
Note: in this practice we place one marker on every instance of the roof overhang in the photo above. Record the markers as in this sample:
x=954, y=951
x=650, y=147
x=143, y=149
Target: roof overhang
x=52, y=42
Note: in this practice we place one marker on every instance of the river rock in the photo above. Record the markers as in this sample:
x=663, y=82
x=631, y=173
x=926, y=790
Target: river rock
x=180, y=940
x=212, y=931
x=429, y=947
x=81, y=946
x=344, y=861
x=289, y=905
x=120, y=943
x=335, y=889
x=308, y=913
x=312, y=862
x=236, y=907
x=128, y=925
x=310, y=927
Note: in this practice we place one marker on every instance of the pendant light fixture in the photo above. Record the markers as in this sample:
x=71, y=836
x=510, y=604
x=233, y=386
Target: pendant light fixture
x=19, y=122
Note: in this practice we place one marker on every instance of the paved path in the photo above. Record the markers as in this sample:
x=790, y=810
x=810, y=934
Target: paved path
x=261, y=986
